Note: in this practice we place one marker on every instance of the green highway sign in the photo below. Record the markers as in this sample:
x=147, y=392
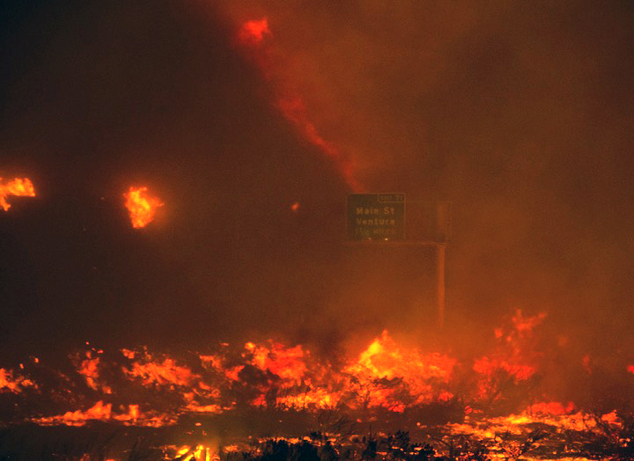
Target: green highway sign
x=376, y=216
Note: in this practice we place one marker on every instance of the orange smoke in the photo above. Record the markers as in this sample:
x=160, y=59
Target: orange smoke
x=515, y=354
x=288, y=101
x=141, y=206
x=17, y=187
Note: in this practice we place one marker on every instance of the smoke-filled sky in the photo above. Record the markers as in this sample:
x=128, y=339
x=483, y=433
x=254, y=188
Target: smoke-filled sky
x=518, y=113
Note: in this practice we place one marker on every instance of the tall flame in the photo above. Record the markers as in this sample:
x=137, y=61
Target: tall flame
x=141, y=206
x=17, y=187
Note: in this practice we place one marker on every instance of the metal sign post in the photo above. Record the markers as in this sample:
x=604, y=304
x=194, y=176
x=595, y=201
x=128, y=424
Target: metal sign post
x=440, y=269
x=380, y=219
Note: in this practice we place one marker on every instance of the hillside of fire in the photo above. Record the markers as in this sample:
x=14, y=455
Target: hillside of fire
x=498, y=405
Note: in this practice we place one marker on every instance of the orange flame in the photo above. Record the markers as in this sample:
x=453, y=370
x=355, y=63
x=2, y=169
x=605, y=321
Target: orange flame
x=514, y=356
x=17, y=187
x=412, y=373
x=88, y=366
x=155, y=372
x=253, y=31
x=103, y=412
x=197, y=453
x=13, y=383
x=99, y=411
x=141, y=206
x=287, y=363
x=386, y=376
x=551, y=408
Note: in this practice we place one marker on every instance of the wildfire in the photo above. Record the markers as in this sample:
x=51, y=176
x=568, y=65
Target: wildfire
x=99, y=411
x=514, y=355
x=197, y=453
x=393, y=378
x=87, y=365
x=130, y=415
x=385, y=376
x=490, y=429
x=287, y=363
x=17, y=187
x=11, y=382
x=160, y=372
x=141, y=206
x=387, y=383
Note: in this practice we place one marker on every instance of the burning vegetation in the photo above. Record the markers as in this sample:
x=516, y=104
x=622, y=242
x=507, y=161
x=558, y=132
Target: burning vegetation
x=18, y=187
x=526, y=128
x=486, y=408
x=141, y=206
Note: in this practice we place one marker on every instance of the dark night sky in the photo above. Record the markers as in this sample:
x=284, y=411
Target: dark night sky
x=519, y=113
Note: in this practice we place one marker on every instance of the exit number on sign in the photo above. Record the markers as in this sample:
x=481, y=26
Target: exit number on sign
x=376, y=216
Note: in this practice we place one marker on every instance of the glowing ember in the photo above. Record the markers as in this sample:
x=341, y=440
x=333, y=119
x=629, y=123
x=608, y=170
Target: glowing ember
x=141, y=206
x=16, y=187
x=253, y=32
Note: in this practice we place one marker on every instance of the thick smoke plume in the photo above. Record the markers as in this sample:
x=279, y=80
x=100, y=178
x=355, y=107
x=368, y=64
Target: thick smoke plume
x=519, y=114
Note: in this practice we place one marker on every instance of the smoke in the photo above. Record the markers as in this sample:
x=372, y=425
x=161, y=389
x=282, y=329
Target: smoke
x=519, y=114
x=516, y=113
